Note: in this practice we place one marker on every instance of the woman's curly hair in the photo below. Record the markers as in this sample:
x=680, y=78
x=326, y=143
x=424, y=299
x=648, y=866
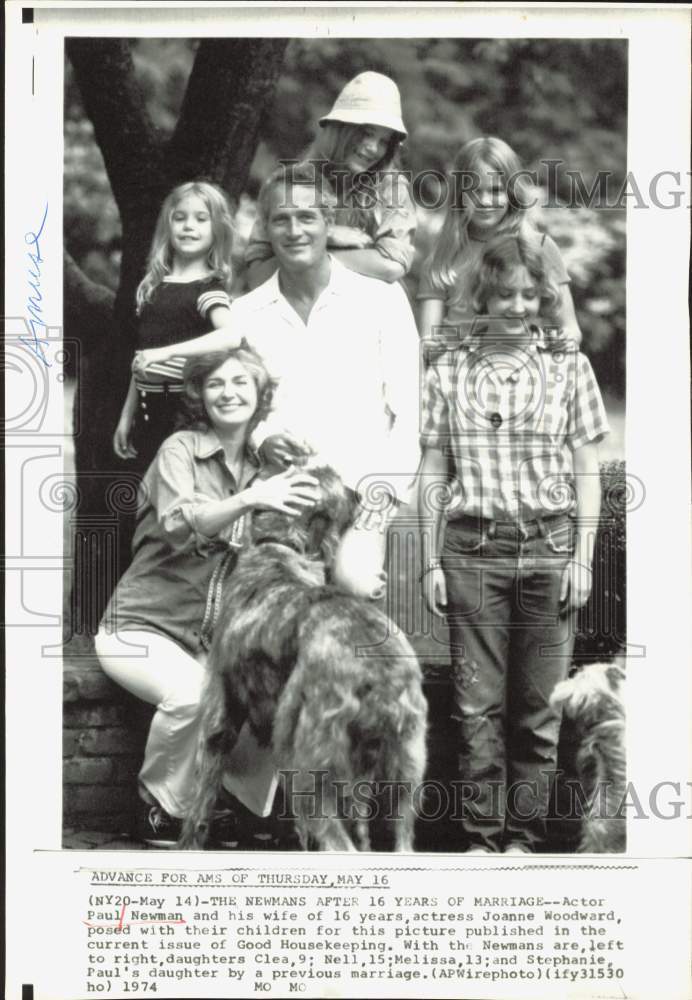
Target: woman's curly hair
x=198, y=369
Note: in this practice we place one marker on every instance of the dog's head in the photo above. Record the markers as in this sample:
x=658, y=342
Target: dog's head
x=593, y=694
x=317, y=530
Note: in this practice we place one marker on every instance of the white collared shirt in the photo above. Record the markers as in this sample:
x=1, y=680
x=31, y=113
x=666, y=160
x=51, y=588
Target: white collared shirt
x=348, y=380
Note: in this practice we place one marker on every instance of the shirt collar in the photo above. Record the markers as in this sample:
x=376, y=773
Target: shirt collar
x=270, y=289
x=337, y=285
x=477, y=338
x=206, y=444
x=339, y=278
x=505, y=371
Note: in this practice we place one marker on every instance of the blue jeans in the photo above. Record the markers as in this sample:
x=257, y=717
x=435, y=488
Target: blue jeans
x=510, y=645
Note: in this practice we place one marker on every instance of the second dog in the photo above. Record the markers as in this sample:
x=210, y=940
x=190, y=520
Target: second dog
x=594, y=698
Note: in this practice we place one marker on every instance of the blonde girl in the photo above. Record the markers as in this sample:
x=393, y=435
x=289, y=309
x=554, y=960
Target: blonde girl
x=183, y=294
x=488, y=197
x=356, y=152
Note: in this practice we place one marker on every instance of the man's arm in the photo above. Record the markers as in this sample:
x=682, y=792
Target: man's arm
x=402, y=368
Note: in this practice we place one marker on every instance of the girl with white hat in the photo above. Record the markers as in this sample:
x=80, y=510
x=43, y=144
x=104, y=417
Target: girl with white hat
x=356, y=151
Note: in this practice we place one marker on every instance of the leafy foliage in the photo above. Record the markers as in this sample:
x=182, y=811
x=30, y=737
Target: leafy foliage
x=551, y=99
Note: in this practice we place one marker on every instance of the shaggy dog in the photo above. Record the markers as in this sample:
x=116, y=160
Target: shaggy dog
x=594, y=698
x=320, y=675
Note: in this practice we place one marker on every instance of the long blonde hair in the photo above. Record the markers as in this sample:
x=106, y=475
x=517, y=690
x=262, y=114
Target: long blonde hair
x=160, y=259
x=484, y=153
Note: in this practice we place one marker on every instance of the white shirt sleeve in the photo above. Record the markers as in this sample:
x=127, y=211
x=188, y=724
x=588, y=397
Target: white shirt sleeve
x=251, y=329
x=401, y=365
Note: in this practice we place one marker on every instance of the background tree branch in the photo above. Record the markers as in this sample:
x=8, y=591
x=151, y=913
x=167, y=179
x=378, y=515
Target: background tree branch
x=218, y=127
x=216, y=135
x=88, y=306
x=131, y=146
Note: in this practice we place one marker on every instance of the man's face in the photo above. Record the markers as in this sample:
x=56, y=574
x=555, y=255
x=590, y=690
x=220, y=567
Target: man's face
x=296, y=227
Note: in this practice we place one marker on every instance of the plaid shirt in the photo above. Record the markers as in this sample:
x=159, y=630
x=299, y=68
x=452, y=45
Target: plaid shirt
x=510, y=420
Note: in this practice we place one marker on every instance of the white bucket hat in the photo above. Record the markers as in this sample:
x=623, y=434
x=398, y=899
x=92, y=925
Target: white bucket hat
x=369, y=99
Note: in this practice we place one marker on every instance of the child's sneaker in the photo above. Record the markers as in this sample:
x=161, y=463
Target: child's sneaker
x=156, y=828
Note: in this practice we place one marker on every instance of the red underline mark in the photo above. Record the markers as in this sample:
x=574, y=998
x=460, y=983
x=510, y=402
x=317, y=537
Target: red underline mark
x=129, y=923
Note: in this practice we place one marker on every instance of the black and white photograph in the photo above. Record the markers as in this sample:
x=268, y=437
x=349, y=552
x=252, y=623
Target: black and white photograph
x=394, y=553
x=347, y=499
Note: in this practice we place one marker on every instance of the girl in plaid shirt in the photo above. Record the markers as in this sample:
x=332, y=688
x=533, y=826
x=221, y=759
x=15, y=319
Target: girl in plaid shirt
x=511, y=422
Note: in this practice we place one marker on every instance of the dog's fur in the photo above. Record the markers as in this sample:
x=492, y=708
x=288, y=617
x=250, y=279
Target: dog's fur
x=594, y=698
x=319, y=674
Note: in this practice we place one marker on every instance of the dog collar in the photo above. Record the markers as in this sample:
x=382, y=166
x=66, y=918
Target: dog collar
x=270, y=540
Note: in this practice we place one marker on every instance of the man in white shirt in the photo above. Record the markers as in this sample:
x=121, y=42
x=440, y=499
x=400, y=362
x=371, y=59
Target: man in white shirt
x=345, y=351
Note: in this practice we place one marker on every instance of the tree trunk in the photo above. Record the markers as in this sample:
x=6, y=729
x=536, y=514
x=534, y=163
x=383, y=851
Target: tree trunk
x=230, y=84
x=217, y=139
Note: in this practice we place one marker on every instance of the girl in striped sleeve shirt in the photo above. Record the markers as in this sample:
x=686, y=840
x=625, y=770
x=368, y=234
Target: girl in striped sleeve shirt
x=511, y=423
x=184, y=294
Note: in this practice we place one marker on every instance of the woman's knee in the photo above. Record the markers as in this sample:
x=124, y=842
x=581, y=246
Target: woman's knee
x=113, y=645
x=102, y=641
x=109, y=650
x=152, y=668
x=183, y=695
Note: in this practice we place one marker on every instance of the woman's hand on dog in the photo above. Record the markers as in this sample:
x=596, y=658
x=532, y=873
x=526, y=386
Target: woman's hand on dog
x=435, y=591
x=575, y=585
x=288, y=492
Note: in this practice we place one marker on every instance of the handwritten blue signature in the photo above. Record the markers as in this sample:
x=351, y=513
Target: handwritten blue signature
x=36, y=298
